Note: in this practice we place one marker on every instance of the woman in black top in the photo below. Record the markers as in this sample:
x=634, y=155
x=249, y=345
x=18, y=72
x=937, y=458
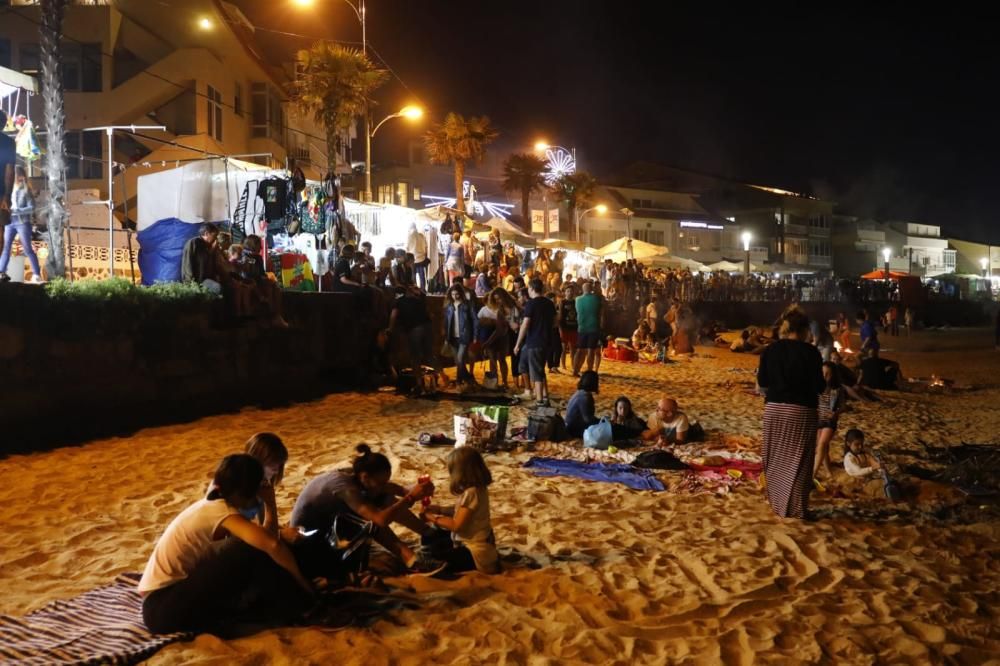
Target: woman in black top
x=791, y=373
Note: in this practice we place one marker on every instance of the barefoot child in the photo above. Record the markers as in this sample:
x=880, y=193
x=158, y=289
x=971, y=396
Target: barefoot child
x=831, y=404
x=856, y=461
x=472, y=533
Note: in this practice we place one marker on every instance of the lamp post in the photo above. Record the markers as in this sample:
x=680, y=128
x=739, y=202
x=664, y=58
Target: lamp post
x=628, y=230
x=984, y=264
x=886, y=253
x=601, y=210
x=747, y=237
x=410, y=112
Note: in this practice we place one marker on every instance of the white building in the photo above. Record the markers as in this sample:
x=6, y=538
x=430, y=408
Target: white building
x=192, y=66
x=918, y=249
x=673, y=219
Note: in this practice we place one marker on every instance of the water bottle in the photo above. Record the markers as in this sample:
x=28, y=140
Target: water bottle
x=425, y=501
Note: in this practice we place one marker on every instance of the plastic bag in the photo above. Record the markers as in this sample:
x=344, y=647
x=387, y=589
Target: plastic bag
x=475, y=430
x=499, y=414
x=598, y=436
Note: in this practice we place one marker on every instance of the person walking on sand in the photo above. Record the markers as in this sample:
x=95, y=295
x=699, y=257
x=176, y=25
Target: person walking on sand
x=791, y=373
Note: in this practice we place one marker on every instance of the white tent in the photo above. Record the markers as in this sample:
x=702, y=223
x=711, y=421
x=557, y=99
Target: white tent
x=200, y=191
x=11, y=82
x=559, y=244
x=629, y=248
x=673, y=261
x=729, y=266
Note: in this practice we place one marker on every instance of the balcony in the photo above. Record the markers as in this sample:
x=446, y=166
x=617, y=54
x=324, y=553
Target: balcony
x=817, y=261
x=796, y=230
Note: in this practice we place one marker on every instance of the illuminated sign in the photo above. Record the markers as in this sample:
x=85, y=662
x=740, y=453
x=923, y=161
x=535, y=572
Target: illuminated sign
x=701, y=225
x=473, y=206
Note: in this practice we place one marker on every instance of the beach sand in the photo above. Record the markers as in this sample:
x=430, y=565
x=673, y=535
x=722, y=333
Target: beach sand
x=601, y=574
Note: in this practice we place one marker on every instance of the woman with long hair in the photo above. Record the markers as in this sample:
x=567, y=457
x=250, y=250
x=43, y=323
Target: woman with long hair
x=496, y=339
x=791, y=376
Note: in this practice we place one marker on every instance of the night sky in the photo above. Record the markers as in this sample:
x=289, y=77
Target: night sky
x=887, y=112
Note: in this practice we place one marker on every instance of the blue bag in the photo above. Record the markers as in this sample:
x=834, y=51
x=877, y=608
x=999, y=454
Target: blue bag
x=598, y=436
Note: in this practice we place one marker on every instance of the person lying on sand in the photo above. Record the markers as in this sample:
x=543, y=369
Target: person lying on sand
x=365, y=491
x=669, y=425
x=197, y=578
x=469, y=522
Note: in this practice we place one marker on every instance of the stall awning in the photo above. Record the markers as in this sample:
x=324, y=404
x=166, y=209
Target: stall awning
x=11, y=82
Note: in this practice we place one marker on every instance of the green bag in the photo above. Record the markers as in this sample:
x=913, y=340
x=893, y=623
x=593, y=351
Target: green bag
x=498, y=413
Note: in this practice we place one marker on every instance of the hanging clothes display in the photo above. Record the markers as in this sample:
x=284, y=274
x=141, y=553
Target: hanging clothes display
x=313, y=210
x=274, y=193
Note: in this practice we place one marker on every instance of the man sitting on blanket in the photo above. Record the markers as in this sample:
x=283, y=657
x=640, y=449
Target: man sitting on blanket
x=669, y=425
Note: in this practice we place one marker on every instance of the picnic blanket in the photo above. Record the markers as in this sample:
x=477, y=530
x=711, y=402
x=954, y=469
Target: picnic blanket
x=102, y=626
x=635, y=478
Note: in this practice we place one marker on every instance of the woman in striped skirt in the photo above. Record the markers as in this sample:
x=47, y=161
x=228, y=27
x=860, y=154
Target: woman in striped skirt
x=790, y=373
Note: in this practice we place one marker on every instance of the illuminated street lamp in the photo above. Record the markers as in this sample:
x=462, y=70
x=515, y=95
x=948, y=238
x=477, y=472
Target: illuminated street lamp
x=409, y=112
x=601, y=210
x=747, y=237
x=205, y=23
x=984, y=264
x=886, y=253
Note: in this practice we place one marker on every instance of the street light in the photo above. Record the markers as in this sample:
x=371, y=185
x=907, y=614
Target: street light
x=984, y=263
x=205, y=23
x=409, y=112
x=628, y=221
x=747, y=237
x=601, y=210
x=886, y=253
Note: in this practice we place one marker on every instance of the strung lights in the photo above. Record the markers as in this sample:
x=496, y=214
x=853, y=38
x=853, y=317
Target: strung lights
x=560, y=162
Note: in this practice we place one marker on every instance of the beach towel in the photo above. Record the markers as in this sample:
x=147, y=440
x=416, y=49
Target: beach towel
x=102, y=626
x=637, y=479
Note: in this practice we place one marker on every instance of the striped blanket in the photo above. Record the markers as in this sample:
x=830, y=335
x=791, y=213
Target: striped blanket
x=103, y=626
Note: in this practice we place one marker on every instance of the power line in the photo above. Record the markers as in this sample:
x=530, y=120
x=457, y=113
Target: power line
x=195, y=91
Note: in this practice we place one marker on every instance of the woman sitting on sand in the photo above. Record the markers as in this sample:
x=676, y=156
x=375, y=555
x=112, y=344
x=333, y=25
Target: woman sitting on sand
x=624, y=422
x=580, y=408
x=196, y=578
x=365, y=491
x=268, y=449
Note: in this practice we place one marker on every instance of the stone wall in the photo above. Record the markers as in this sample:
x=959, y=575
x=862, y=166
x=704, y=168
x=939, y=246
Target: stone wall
x=68, y=373
x=66, y=378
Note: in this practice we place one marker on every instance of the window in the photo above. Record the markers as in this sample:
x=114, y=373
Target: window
x=416, y=193
x=214, y=109
x=83, y=154
x=30, y=59
x=268, y=118
x=654, y=236
x=81, y=65
x=819, y=222
x=238, y=100
x=384, y=194
x=819, y=248
x=642, y=203
x=402, y=195
x=5, y=60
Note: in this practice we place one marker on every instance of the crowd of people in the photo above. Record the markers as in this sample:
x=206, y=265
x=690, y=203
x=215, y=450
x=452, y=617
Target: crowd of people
x=229, y=564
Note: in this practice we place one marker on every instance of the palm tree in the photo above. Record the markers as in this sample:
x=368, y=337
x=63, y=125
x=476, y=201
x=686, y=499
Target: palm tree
x=576, y=190
x=524, y=173
x=335, y=84
x=55, y=128
x=458, y=141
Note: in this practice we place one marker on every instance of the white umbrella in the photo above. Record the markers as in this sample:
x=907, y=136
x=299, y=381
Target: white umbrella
x=679, y=262
x=630, y=248
x=507, y=227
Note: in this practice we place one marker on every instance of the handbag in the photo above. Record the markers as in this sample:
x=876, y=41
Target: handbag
x=446, y=350
x=598, y=436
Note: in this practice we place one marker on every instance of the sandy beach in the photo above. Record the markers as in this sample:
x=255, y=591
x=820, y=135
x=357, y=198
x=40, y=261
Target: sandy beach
x=596, y=573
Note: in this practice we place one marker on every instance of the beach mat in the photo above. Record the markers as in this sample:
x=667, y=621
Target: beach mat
x=102, y=626
x=633, y=477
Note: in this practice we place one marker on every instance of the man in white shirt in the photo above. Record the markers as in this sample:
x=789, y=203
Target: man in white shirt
x=667, y=423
